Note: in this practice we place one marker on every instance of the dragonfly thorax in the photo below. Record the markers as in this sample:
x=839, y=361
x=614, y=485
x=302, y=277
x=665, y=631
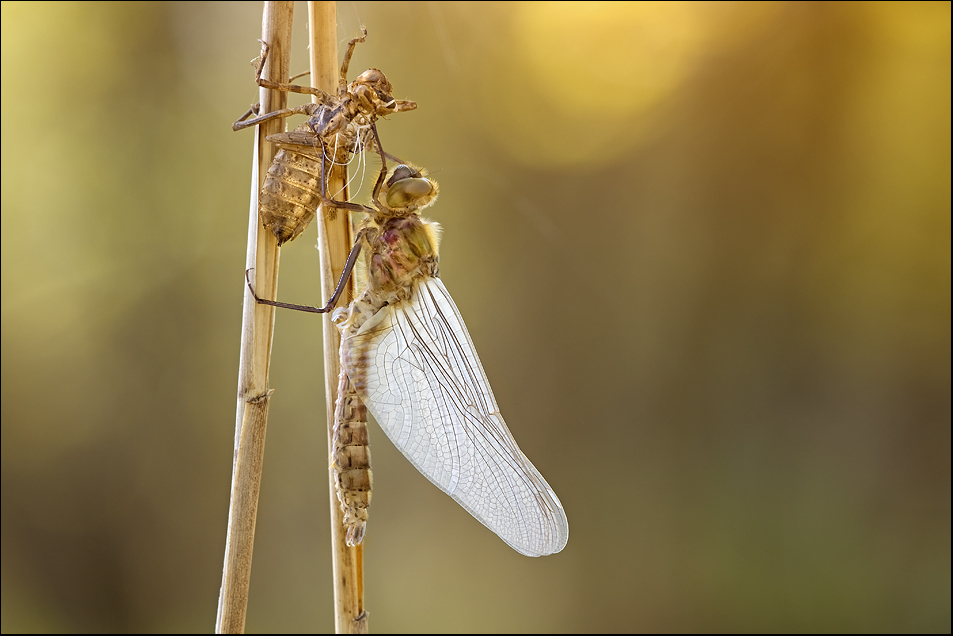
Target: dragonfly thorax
x=402, y=250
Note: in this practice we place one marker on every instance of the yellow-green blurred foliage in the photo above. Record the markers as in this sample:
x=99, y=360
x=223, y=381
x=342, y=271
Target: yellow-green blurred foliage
x=702, y=248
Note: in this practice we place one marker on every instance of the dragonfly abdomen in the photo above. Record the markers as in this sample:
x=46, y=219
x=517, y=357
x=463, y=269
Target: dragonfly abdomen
x=291, y=193
x=351, y=459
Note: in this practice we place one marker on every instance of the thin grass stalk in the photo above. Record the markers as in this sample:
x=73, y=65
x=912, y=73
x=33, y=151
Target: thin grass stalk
x=258, y=323
x=335, y=238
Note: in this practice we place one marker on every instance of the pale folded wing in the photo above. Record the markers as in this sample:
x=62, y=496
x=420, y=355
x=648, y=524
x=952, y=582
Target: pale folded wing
x=424, y=384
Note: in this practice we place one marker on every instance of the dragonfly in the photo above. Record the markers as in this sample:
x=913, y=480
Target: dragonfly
x=407, y=357
x=338, y=126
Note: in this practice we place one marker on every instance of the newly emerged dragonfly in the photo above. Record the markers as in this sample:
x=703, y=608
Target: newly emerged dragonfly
x=338, y=126
x=406, y=354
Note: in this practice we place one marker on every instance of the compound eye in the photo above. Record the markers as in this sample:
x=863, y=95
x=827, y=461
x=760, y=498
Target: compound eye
x=370, y=76
x=400, y=173
x=376, y=80
x=406, y=191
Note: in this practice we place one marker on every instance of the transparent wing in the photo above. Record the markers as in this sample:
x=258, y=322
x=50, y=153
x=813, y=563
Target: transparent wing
x=425, y=385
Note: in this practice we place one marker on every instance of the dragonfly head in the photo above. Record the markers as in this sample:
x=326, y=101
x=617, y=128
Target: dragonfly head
x=372, y=94
x=408, y=189
x=375, y=79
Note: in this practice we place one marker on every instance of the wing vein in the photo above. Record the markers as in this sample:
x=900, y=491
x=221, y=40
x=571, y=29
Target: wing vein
x=427, y=389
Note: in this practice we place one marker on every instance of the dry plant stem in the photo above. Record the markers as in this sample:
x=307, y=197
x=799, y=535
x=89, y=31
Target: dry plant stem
x=257, y=329
x=334, y=240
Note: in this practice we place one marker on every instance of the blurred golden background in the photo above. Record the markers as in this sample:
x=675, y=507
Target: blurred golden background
x=703, y=250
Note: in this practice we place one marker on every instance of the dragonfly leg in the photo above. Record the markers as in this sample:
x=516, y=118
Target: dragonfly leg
x=304, y=109
x=288, y=88
x=347, y=59
x=342, y=283
x=384, y=157
x=331, y=203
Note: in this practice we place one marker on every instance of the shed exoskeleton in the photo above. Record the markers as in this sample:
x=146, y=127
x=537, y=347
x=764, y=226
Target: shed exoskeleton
x=338, y=126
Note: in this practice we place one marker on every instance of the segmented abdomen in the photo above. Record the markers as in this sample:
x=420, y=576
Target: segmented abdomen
x=351, y=457
x=291, y=193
